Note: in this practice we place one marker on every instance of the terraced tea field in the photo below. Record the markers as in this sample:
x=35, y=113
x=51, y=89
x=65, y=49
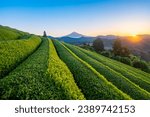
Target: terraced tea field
x=33, y=67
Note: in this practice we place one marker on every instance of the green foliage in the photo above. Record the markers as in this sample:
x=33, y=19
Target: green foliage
x=98, y=45
x=15, y=51
x=106, y=53
x=87, y=47
x=117, y=46
x=42, y=76
x=28, y=80
x=126, y=60
x=136, y=76
x=118, y=50
x=30, y=68
x=44, y=34
x=133, y=61
x=125, y=52
x=59, y=72
x=7, y=33
x=92, y=84
x=134, y=58
x=141, y=65
x=118, y=58
x=116, y=78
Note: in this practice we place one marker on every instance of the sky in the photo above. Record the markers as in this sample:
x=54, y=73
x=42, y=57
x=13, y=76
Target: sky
x=88, y=17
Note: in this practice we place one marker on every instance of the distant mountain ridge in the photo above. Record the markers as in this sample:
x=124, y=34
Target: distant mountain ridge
x=74, y=35
x=77, y=38
x=109, y=37
x=141, y=49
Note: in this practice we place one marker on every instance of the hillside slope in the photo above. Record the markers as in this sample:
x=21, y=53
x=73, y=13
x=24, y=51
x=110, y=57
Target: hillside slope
x=40, y=68
x=7, y=33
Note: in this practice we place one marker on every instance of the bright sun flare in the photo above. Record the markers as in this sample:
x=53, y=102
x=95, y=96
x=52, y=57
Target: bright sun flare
x=135, y=38
x=134, y=34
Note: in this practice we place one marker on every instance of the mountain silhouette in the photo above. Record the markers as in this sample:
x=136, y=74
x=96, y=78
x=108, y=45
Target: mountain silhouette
x=74, y=35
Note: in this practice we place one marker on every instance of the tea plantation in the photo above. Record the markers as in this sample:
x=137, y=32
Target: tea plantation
x=33, y=67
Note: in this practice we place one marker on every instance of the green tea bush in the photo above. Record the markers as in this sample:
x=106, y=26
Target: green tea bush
x=116, y=78
x=92, y=84
x=141, y=65
x=42, y=76
x=126, y=60
x=14, y=52
x=61, y=75
x=106, y=53
x=137, y=76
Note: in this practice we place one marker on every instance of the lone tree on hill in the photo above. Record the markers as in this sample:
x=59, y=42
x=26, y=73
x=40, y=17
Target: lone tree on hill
x=98, y=45
x=44, y=34
x=119, y=50
x=117, y=47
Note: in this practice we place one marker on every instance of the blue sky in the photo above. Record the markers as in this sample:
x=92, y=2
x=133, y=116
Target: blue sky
x=89, y=17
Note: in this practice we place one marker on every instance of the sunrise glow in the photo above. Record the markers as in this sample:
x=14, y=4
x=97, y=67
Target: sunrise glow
x=88, y=17
x=134, y=35
x=135, y=39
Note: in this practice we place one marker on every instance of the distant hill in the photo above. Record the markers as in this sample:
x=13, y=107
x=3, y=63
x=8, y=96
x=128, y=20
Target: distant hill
x=141, y=49
x=108, y=37
x=74, y=38
x=80, y=40
x=77, y=39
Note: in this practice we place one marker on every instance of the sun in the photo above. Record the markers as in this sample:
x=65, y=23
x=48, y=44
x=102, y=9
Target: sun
x=134, y=34
x=135, y=38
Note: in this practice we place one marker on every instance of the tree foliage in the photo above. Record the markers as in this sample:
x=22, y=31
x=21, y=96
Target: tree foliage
x=98, y=45
x=140, y=64
x=119, y=50
x=44, y=34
